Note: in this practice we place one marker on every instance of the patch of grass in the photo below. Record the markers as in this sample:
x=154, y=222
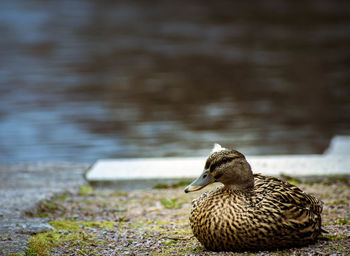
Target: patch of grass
x=170, y=203
x=345, y=179
x=69, y=225
x=179, y=184
x=66, y=231
x=310, y=180
x=161, y=186
x=118, y=193
x=169, y=242
x=295, y=182
x=122, y=219
x=86, y=190
x=339, y=247
x=335, y=237
x=290, y=179
x=337, y=201
x=46, y=208
x=181, y=247
x=342, y=221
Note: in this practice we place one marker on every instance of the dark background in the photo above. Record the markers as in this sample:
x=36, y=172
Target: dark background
x=82, y=80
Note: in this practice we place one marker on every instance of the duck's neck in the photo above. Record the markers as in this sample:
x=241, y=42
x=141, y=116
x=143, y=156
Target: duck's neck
x=239, y=176
x=243, y=187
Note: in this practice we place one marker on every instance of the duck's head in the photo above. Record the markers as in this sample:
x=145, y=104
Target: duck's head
x=227, y=166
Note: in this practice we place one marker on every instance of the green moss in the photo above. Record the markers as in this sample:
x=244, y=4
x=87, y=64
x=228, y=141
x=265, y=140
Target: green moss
x=291, y=180
x=46, y=208
x=169, y=242
x=295, y=182
x=68, y=225
x=342, y=221
x=86, y=190
x=335, y=237
x=66, y=231
x=179, y=184
x=170, y=203
x=180, y=247
x=60, y=197
x=345, y=179
x=340, y=247
x=122, y=219
x=118, y=193
x=310, y=180
x=337, y=202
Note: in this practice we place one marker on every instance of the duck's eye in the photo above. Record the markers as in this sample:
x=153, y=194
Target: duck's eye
x=204, y=176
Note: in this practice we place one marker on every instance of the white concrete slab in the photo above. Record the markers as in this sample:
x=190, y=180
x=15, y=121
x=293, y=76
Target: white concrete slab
x=146, y=172
x=145, y=168
x=340, y=145
x=167, y=168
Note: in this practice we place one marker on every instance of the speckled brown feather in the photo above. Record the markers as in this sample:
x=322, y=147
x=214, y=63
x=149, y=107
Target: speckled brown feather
x=274, y=214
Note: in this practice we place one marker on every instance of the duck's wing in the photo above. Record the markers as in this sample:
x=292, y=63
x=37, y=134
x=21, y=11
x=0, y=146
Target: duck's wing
x=288, y=194
x=291, y=212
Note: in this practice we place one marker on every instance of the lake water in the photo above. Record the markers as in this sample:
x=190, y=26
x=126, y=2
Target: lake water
x=83, y=80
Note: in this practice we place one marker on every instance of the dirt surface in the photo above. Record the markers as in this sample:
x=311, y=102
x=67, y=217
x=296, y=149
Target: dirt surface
x=155, y=222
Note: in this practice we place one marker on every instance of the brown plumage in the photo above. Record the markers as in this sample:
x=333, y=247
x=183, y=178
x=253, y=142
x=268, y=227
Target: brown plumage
x=250, y=212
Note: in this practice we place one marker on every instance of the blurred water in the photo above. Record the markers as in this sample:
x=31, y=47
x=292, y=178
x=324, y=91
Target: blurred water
x=82, y=80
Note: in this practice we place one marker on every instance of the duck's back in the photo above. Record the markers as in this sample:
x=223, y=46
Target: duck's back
x=274, y=214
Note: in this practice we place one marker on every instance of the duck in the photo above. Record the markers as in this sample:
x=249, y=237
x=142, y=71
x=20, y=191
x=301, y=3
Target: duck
x=250, y=212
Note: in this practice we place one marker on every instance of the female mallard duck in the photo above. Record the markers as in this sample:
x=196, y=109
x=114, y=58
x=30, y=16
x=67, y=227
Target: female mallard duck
x=250, y=212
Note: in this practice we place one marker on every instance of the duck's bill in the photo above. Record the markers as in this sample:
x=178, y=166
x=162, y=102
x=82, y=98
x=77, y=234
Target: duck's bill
x=202, y=181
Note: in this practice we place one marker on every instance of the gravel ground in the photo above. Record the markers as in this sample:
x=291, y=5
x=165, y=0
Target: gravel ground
x=22, y=186
x=155, y=222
